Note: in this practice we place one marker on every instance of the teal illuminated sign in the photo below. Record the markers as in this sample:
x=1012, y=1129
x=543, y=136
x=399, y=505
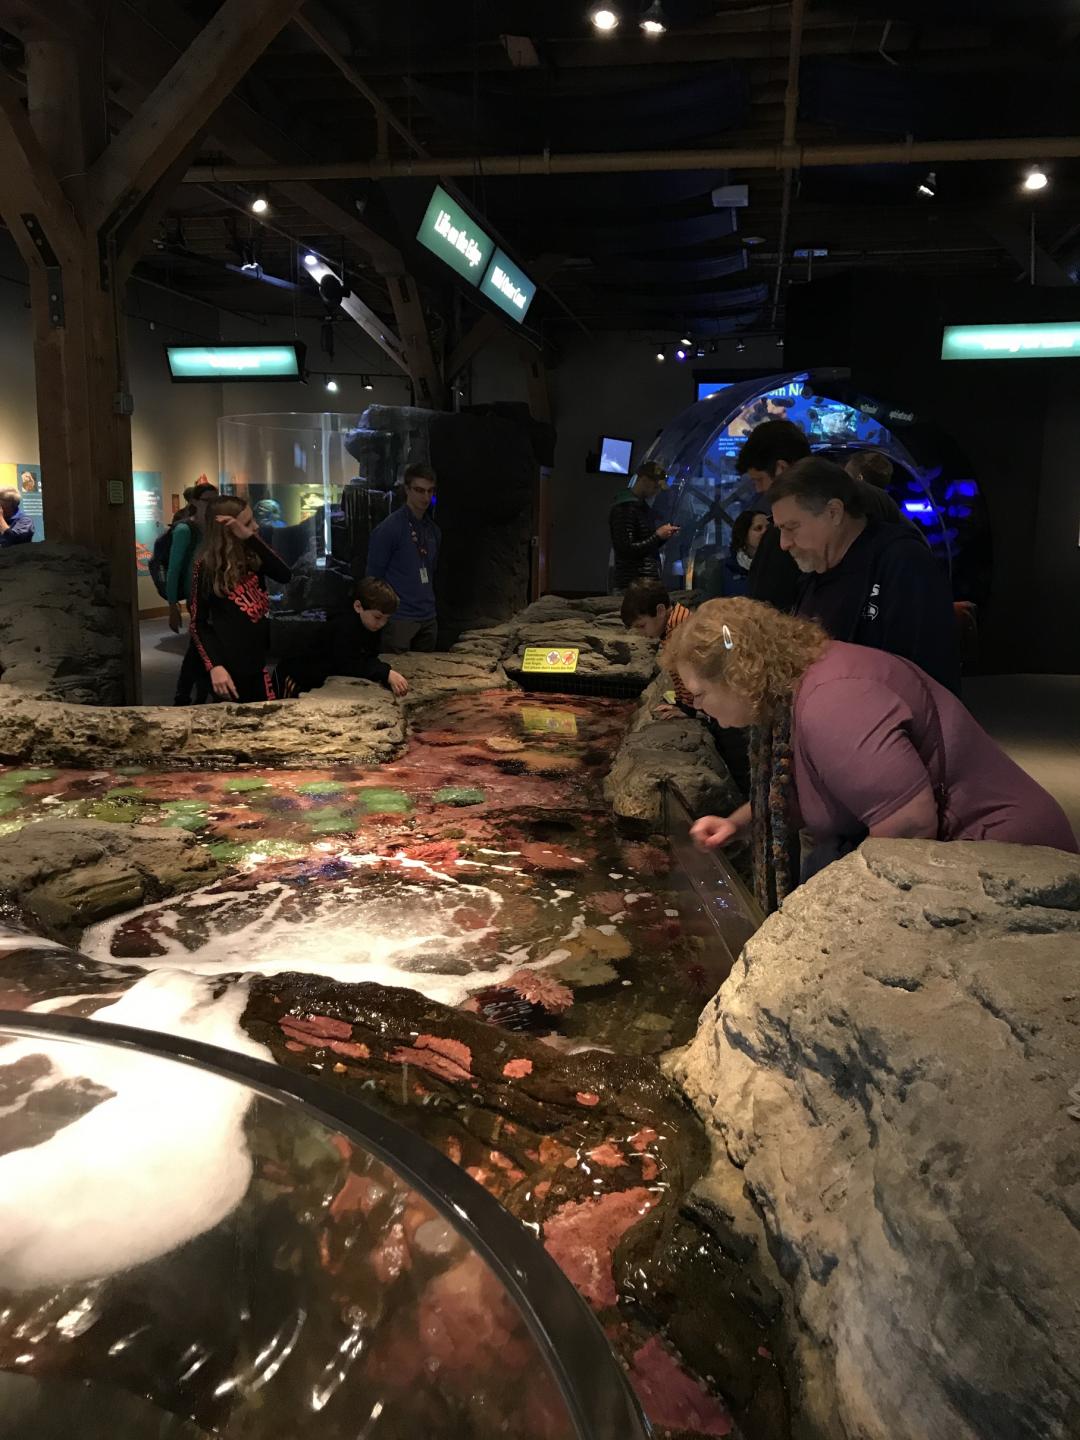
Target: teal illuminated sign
x=235, y=362
x=453, y=235
x=1044, y=341
x=508, y=286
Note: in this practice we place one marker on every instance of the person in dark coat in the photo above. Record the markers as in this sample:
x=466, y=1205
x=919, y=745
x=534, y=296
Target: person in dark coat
x=770, y=450
x=636, y=539
x=746, y=535
x=867, y=582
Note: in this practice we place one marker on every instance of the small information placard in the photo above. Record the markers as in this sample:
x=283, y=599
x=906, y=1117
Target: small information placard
x=538, y=721
x=541, y=661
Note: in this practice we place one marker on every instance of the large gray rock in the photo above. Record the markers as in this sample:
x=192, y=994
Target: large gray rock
x=608, y=652
x=677, y=751
x=366, y=729
x=60, y=637
x=888, y=1072
x=62, y=875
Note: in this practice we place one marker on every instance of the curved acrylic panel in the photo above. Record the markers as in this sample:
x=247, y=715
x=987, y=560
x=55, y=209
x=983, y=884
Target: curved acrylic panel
x=194, y=1243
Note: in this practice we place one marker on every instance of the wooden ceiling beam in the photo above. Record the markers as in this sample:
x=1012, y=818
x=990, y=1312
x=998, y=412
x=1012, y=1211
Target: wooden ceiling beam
x=182, y=103
x=34, y=207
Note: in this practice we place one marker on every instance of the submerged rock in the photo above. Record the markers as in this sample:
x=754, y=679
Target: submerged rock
x=887, y=1072
x=63, y=875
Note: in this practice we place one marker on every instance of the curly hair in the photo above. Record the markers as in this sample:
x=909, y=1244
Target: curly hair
x=749, y=647
x=225, y=560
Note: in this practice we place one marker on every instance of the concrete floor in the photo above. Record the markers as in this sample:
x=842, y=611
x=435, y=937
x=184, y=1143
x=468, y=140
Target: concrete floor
x=162, y=652
x=1035, y=718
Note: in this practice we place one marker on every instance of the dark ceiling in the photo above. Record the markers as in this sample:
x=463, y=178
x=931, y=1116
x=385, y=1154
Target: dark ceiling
x=645, y=251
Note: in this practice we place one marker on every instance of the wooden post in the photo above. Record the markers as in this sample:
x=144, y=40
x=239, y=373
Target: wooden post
x=80, y=210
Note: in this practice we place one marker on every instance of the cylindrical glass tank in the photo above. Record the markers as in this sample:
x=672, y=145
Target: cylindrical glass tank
x=195, y=1243
x=315, y=492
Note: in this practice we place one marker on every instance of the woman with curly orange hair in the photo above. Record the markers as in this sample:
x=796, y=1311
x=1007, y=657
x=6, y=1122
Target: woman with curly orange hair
x=847, y=742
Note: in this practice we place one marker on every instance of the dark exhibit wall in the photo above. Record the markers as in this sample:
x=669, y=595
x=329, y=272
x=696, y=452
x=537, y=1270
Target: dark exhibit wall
x=613, y=385
x=1018, y=422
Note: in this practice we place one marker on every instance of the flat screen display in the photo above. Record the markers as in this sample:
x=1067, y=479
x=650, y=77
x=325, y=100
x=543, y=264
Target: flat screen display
x=615, y=455
x=235, y=362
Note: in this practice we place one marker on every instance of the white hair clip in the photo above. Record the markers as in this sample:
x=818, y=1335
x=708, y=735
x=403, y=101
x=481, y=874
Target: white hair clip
x=729, y=643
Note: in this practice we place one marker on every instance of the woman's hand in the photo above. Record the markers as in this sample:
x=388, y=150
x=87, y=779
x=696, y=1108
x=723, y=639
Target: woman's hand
x=222, y=682
x=713, y=832
x=174, y=619
x=398, y=684
x=234, y=526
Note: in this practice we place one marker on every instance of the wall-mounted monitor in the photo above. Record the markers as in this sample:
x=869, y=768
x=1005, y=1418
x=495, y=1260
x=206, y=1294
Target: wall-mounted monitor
x=615, y=455
x=1049, y=340
x=191, y=364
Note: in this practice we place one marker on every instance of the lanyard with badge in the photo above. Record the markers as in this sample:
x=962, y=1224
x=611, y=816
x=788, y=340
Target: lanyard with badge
x=421, y=549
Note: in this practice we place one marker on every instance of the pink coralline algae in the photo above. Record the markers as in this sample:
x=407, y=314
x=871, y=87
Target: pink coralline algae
x=322, y=1032
x=587, y=1097
x=643, y=1139
x=517, y=1069
x=359, y=1192
x=541, y=989
x=551, y=859
x=607, y=1155
x=448, y=1059
x=581, y=1237
x=608, y=902
x=673, y=1399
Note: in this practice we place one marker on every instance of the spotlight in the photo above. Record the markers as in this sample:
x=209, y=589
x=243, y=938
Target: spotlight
x=653, y=20
x=927, y=188
x=604, y=19
x=753, y=240
x=1036, y=179
x=680, y=354
x=661, y=356
x=311, y=260
x=331, y=385
x=260, y=205
x=686, y=341
x=365, y=383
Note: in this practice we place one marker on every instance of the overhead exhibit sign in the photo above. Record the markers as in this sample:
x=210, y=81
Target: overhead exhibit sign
x=1041, y=341
x=235, y=362
x=453, y=235
x=507, y=285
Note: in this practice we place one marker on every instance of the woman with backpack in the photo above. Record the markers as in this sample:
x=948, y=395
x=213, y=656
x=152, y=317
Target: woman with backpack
x=230, y=609
x=176, y=550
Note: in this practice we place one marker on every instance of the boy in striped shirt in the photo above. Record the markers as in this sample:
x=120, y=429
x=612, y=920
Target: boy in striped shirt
x=648, y=611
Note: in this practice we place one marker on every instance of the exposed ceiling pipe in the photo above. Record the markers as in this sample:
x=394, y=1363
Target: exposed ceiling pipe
x=791, y=115
x=1033, y=149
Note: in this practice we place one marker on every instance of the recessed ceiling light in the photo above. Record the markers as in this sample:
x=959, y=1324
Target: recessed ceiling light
x=653, y=20
x=604, y=19
x=331, y=385
x=661, y=356
x=260, y=205
x=1036, y=179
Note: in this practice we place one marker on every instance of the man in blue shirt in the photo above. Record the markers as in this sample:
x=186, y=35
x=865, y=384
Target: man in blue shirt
x=403, y=551
x=15, y=527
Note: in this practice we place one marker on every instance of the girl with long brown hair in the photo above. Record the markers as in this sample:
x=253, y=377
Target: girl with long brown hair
x=230, y=609
x=847, y=742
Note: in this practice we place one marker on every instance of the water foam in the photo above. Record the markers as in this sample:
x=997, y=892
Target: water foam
x=161, y=1161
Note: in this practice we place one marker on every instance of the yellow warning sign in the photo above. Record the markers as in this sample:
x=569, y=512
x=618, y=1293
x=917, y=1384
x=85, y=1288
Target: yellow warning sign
x=541, y=661
x=537, y=721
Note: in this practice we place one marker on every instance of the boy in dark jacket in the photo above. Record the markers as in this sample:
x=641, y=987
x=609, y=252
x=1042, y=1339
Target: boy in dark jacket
x=351, y=644
x=635, y=537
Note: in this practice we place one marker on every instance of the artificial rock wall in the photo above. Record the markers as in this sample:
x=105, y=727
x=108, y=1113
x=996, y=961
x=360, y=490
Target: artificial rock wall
x=891, y=1075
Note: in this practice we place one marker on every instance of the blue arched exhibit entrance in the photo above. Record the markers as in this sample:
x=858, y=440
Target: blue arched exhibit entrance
x=932, y=483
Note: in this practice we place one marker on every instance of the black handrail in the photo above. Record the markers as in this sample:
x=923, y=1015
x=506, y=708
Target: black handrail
x=593, y=1385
